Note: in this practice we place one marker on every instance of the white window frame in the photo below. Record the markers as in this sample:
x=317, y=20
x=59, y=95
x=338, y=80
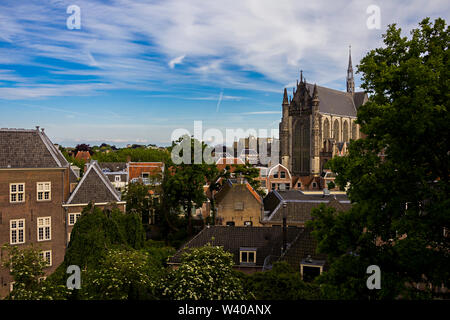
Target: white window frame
x=16, y=193
x=117, y=179
x=43, y=188
x=247, y=251
x=75, y=215
x=48, y=259
x=17, y=229
x=46, y=225
x=320, y=267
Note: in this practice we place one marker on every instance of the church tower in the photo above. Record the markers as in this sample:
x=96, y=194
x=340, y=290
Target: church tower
x=350, y=80
x=284, y=131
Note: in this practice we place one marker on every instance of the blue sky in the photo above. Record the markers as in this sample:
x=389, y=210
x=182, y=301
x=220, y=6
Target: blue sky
x=137, y=70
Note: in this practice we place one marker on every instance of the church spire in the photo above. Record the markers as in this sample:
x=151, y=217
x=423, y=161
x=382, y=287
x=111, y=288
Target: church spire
x=350, y=80
x=285, y=97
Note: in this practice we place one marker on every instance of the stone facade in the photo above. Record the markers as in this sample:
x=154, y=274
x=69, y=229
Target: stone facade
x=317, y=124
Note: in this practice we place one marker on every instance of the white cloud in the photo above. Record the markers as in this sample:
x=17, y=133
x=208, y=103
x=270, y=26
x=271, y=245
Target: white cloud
x=175, y=61
x=127, y=43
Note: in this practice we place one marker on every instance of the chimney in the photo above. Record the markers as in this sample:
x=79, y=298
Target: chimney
x=284, y=227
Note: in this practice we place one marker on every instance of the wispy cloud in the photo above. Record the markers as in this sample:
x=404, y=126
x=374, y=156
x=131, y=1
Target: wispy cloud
x=127, y=43
x=175, y=61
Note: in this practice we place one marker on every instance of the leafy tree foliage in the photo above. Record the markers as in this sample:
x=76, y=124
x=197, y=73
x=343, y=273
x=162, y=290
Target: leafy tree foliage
x=183, y=186
x=98, y=230
x=205, y=273
x=280, y=283
x=250, y=173
x=398, y=175
x=122, y=274
x=27, y=270
x=140, y=154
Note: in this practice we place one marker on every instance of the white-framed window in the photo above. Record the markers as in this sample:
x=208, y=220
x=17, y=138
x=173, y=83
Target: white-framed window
x=42, y=279
x=16, y=192
x=117, y=178
x=17, y=231
x=247, y=256
x=44, y=228
x=44, y=191
x=46, y=256
x=73, y=217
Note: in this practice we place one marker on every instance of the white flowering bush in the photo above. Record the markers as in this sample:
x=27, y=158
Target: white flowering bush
x=27, y=270
x=205, y=273
x=123, y=274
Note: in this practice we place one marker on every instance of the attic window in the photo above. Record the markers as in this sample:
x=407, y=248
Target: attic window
x=283, y=174
x=247, y=255
x=275, y=175
x=310, y=269
x=299, y=184
x=314, y=185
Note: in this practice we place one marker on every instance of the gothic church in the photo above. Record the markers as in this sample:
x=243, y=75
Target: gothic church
x=317, y=124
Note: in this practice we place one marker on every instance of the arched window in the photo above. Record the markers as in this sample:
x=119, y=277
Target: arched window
x=345, y=131
x=354, y=131
x=326, y=129
x=336, y=130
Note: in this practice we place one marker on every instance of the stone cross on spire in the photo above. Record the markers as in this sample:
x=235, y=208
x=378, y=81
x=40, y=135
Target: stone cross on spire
x=350, y=80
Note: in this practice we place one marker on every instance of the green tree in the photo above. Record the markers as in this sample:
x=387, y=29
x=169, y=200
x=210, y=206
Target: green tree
x=280, y=283
x=250, y=174
x=27, y=269
x=398, y=175
x=98, y=230
x=205, y=273
x=122, y=274
x=184, y=182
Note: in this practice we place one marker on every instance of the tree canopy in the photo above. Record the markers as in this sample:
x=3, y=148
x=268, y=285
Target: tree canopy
x=398, y=174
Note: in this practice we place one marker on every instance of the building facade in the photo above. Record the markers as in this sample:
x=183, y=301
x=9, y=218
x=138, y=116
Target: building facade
x=35, y=181
x=317, y=123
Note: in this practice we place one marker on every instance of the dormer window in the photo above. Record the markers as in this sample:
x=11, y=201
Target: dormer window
x=247, y=255
x=310, y=268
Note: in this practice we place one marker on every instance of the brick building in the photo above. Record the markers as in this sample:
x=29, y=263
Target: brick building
x=39, y=192
x=238, y=204
x=94, y=188
x=35, y=180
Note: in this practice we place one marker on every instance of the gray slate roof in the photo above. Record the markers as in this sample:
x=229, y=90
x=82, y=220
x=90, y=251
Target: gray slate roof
x=113, y=166
x=22, y=148
x=303, y=246
x=266, y=240
x=338, y=102
x=299, y=205
x=94, y=186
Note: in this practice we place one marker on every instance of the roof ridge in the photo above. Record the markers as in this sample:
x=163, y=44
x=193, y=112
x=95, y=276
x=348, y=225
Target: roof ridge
x=49, y=148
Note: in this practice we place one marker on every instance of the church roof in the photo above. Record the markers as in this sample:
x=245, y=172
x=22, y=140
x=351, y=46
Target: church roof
x=338, y=102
